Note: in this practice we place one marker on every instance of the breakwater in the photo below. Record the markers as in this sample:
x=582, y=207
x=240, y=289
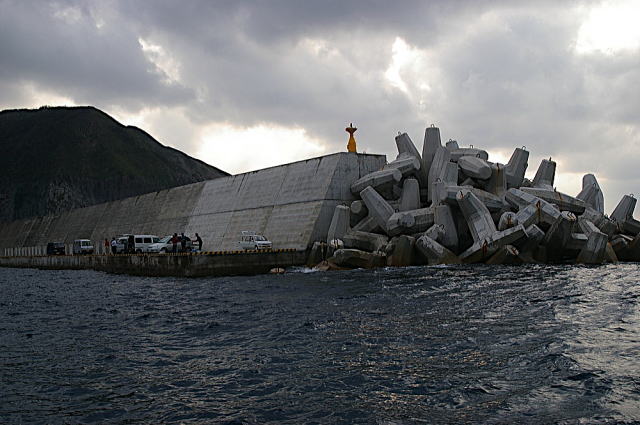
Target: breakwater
x=446, y=205
x=291, y=204
x=452, y=205
x=222, y=263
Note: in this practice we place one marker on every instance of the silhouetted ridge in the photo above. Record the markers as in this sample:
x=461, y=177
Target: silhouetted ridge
x=59, y=158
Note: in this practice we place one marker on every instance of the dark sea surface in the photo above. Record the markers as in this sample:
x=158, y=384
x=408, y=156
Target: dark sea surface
x=479, y=344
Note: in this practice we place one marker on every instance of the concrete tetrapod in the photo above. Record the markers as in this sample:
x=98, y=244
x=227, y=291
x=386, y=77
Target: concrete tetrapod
x=406, y=148
x=378, y=207
x=632, y=251
x=606, y=226
x=528, y=246
x=538, y=213
x=401, y=254
x=595, y=249
x=438, y=168
x=531, y=209
x=487, y=239
x=358, y=212
x=516, y=167
x=622, y=215
x=624, y=209
x=450, y=174
x=367, y=224
x=563, y=201
x=435, y=253
x=452, y=145
x=507, y=254
x=610, y=254
x=317, y=254
x=443, y=216
x=450, y=196
x=431, y=144
x=383, y=180
x=630, y=226
x=620, y=244
x=413, y=221
x=545, y=175
x=474, y=167
x=456, y=154
x=497, y=182
x=410, y=198
x=357, y=259
x=468, y=182
x=576, y=242
x=364, y=241
x=519, y=199
x=359, y=208
x=507, y=219
x=591, y=193
x=339, y=223
x=481, y=251
x=407, y=165
x=558, y=236
x=435, y=232
x=477, y=216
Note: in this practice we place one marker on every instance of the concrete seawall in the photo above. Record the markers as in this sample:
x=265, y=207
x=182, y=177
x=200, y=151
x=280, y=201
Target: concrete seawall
x=179, y=265
x=291, y=204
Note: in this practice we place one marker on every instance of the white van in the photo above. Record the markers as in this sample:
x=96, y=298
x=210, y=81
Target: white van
x=141, y=243
x=252, y=240
x=82, y=246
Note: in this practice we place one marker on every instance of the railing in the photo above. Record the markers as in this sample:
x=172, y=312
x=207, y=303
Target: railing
x=41, y=250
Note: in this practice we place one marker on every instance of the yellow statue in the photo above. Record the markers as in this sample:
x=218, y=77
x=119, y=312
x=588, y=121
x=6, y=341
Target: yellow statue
x=351, y=145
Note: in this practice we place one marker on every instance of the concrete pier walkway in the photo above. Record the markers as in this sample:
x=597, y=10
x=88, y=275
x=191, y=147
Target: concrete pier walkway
x=222, y=263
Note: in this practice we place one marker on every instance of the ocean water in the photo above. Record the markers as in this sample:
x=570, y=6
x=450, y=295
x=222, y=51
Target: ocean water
x=465, y=344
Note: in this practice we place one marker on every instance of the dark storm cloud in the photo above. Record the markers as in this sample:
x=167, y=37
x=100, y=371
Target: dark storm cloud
x=500, y=74
x=59, y=46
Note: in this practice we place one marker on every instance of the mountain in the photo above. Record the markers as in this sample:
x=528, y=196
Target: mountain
x=58, y=158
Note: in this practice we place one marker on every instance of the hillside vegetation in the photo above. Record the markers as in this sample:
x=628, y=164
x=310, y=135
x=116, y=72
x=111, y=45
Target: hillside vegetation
x=58, y=158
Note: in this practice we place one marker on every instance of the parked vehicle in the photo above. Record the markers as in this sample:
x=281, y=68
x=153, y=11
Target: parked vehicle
x=121, y=244
x=252, y=240
x=56, y=248
x=141, y=243
x=82, y=247
x=164, y=245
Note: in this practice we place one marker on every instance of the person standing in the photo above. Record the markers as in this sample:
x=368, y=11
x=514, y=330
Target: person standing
x=131, y=245
x=199, y=240
x=174, y=241
x=114, y=246
x=107, y=246
x=183, y=242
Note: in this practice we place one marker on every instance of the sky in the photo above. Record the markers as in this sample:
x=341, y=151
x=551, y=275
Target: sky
x=244, y=85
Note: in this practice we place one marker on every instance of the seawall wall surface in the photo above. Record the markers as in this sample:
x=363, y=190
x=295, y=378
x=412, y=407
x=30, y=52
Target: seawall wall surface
x=291, y=204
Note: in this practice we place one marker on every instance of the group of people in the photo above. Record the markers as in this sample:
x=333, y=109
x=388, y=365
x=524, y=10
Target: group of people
x=112, y=246
x=182, y=240
x=130, y=244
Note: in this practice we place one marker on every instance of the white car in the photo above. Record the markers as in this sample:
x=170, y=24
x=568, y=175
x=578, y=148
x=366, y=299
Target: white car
x=253, y=240
x=164, y=246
